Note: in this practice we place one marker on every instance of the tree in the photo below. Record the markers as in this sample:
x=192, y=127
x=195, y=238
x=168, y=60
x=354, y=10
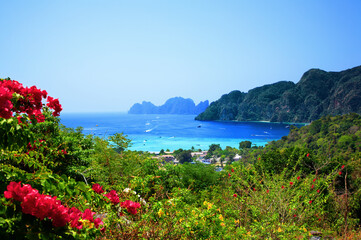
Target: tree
x=184, y=156
x=212, y=149
x=245, y=144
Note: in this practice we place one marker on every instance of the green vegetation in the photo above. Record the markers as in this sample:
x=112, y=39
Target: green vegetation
x=307, y=181
x=317, y=94
x=183, y=156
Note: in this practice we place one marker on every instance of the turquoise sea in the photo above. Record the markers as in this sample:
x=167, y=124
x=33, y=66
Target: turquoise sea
x=153, y=132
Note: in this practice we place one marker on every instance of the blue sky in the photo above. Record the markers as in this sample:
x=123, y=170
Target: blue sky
x=101, y=56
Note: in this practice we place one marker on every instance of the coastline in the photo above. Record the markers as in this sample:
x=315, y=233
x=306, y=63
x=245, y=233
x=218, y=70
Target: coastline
x=264, y=121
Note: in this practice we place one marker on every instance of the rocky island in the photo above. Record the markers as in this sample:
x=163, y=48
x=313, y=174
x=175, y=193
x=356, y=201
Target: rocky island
x=176, y=105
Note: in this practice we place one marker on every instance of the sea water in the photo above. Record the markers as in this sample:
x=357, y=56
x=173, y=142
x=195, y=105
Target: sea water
x=153, y=132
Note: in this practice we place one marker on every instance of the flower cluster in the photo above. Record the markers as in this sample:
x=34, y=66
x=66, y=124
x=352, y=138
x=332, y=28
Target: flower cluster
x=15, y=98
x=131, y=206
x=97, y=188
x=114, y=198
x=45, y=206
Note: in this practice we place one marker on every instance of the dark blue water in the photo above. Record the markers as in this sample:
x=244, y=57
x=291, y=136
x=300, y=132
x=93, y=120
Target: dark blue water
x=155, y=132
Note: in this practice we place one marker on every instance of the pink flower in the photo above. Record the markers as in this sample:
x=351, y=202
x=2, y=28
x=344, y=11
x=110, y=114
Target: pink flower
x=131, y=206
x=97, y=188
x=234, y=195
x=60, y=216
x=98, y=222
x=229, y=174
x=88, y=215
x=113, y=196
x=15, y=191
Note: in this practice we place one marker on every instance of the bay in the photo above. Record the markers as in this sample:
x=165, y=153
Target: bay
x=153, y=132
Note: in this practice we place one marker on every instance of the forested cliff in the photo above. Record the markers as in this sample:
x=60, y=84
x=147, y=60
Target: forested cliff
x=318, y=93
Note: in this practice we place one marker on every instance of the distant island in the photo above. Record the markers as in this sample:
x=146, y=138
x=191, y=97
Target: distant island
x=176, y=105
x=318, y=93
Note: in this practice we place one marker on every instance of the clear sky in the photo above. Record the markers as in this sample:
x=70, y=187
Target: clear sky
x=101, y=56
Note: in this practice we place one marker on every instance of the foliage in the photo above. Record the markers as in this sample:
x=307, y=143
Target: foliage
x=245, y=144
x=183, y=156
x=317, y=94
x=309, y=180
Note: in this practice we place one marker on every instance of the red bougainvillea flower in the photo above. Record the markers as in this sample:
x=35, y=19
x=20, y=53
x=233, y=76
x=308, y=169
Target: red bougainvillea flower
x=232, y=170
x=267, y=191
x=54, y=104
x=88, y=215
x=60, y=216
x=229, y=174
x=254, y=189
x=314, y=180
x=18, y=192
x=283, y=187
x=19, y=119
x=98, y=222
x=298, y=178
x=339, y=173
x=131, y=206
x=97, y=188
x=310, y=202
x=294, y=215
x=42, y=206
x=342, y=166
x=5, y=102
x=15, y=98
x=318, y=190
x=312, y=186
x=113, y=196
x=74, y=215
x=234, y=195
x=76, y=224
x=291, y=183
x=308, y=155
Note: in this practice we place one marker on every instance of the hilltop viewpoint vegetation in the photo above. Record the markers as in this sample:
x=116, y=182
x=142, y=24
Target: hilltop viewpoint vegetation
x=57, y=183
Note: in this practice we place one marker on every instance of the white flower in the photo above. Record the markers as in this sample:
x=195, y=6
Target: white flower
x=143, y=201
x=127, y=190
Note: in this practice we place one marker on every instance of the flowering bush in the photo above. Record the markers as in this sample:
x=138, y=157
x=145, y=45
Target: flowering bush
x=44, y=206
x=274, y=194
x=15, y=98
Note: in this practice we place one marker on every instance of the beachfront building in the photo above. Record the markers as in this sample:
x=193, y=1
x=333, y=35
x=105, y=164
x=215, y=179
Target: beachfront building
x=199, y=155
x=168, y=158
x=237, y=157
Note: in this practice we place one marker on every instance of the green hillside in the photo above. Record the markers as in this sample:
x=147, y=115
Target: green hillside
x=56, y=183
x=317, y=94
